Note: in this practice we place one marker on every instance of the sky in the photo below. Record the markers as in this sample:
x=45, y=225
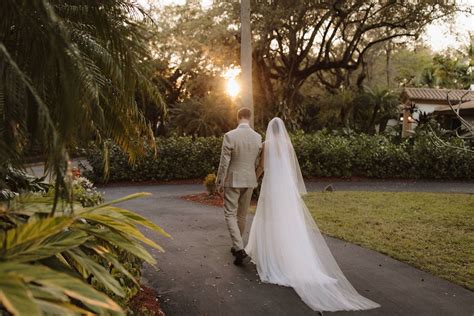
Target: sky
x=439, y=36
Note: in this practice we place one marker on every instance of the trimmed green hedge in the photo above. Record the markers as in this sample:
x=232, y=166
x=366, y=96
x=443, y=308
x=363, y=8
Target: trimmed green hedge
x=320, y=155
x=177, y=158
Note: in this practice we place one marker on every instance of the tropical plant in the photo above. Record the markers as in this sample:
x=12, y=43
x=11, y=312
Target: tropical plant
x=14, y=181
x=70, y=71
x=43, y=257
x=454, y=72
x=336, y=108
x=375, y=107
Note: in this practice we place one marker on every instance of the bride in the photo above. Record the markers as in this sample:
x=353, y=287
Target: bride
x=285, y=242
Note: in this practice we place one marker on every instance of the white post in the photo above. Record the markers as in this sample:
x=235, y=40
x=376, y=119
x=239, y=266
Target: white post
x=246, y=57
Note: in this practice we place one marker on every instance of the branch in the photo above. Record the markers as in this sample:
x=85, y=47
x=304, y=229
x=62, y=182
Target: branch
x=308, y=47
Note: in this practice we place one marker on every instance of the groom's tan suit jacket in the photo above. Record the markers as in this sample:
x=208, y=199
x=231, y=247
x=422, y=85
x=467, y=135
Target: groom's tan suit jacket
x=239, y=158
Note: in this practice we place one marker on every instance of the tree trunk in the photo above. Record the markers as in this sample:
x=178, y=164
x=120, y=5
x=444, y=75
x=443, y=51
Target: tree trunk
x=388, y=62
x=371, y=126
x=290, y=107
x=246, y=58
x=263, y=90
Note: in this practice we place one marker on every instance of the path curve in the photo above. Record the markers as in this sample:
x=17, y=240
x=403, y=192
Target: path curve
x=196, y=275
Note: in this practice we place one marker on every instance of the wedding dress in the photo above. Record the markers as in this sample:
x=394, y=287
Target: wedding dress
x=285, y=243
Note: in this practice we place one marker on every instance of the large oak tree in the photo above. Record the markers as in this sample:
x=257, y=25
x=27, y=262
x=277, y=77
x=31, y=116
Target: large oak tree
x=327, y=39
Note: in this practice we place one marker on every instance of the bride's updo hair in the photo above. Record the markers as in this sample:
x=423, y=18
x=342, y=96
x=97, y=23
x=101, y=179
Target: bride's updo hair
x=244, y=113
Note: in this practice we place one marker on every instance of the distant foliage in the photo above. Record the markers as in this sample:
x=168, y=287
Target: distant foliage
x=208, y=116
x=14, y=181
x=86, y=193
x=319, y=155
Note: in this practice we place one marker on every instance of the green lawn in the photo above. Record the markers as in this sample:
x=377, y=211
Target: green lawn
x=431, y=231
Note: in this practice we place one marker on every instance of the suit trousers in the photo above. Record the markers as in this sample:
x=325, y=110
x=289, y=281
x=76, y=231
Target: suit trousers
x=236, y=205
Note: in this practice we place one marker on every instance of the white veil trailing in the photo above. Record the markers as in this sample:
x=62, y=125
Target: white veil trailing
x=279, y=146
x=285, y=242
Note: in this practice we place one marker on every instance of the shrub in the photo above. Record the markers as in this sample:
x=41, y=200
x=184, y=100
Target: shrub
x=85, y=192
x=177, y=158
x=14, y=181
x=320, y=155
x=210, y=183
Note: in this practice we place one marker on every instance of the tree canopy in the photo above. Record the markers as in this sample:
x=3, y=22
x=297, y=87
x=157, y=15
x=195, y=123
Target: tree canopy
x=301, y=51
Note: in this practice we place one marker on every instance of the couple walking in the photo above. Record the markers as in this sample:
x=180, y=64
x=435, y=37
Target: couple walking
x=284, y=242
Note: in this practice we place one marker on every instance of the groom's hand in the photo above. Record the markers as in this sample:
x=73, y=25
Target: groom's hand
x=220, y=191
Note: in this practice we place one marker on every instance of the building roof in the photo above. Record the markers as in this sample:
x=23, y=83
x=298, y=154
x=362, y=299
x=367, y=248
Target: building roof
x=464, y=107
x=436, y=95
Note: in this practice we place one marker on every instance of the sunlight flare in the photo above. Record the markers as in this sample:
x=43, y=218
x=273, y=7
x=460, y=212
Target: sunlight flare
x=232, y=87
x=232, y=84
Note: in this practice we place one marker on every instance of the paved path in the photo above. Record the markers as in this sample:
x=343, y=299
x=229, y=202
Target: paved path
x=196, y=275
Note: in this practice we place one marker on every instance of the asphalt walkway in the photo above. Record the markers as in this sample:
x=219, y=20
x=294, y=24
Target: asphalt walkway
x=196, y=276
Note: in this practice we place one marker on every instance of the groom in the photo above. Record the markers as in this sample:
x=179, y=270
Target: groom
x=236, y=178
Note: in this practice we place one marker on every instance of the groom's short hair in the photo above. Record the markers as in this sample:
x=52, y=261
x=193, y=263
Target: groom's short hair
x=244, y=113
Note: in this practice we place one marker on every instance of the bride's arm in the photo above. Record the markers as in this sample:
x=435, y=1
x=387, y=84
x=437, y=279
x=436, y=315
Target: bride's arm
x=261, y=163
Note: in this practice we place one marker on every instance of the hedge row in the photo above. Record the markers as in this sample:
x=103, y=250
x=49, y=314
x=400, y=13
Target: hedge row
x=319, y=155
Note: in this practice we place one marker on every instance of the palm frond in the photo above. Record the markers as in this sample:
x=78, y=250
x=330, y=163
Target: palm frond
x=87, y=267
x=75, y=67
x=49, y=280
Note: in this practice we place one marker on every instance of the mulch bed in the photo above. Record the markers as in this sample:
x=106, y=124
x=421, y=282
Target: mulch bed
x=205, y=198
x=145, y=302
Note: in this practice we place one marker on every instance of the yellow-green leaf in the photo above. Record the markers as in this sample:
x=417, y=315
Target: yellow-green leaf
x=16, y=297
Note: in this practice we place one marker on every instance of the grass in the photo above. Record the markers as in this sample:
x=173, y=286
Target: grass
x=431, y=231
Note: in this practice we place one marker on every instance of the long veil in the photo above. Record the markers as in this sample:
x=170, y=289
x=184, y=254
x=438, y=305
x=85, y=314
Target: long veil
x=285, y=242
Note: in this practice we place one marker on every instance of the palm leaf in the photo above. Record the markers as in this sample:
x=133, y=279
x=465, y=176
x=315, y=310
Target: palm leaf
x=16, y=297
x=31, y=204
x=70, y=286
x=118, y=239
x=61, y=308
x=116, y=201
x=132, y=218
x=27, y=238
x=69, y=61
x=98, y=271
x=110, y=257
x=54, y=302
x=51, y=246
x=123, y=227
